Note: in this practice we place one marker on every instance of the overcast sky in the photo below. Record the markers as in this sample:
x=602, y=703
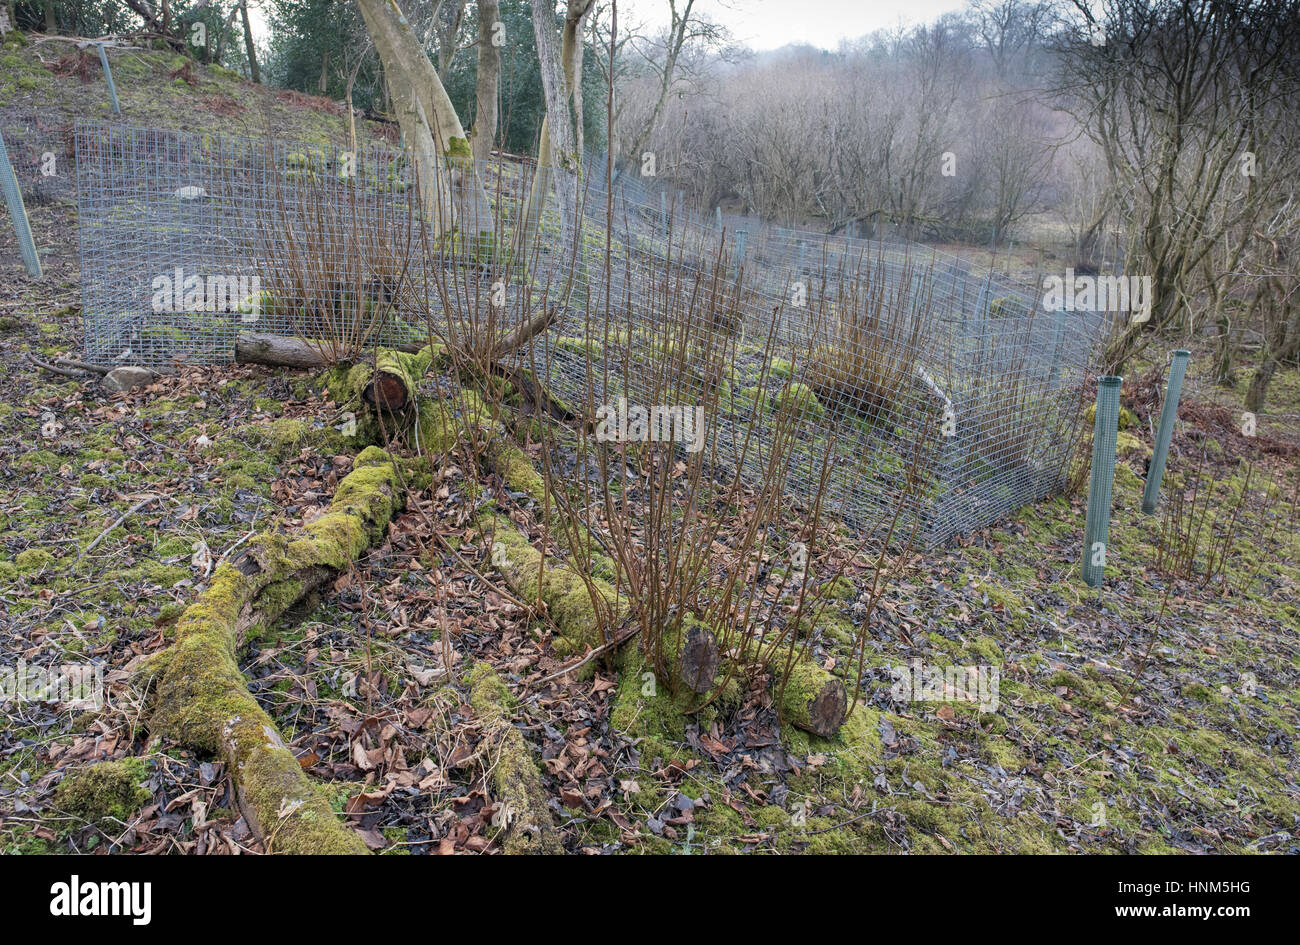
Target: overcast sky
x=768, y=24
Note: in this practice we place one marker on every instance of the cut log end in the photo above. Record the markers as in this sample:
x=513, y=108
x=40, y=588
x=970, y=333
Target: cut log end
x=700, y=658
x=387, y=392
x=814, y=700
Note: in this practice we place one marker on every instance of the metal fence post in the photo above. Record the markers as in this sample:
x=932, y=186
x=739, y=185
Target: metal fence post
x=18, y=213
x=1105, y=431
x=108, y=74
x=1168, y=414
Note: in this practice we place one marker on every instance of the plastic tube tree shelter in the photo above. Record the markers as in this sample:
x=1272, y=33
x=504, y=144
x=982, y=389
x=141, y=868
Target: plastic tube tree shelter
x=108, y=77
x=1168, y=414
x=18, y=213
x=1105, y=433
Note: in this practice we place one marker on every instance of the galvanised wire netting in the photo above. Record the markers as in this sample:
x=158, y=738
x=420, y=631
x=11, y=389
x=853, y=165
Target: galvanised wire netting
x=892, y=343
x=41, y=152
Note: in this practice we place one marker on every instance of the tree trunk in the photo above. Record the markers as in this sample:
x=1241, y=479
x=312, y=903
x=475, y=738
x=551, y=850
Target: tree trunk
x=1258, y=388
x=814, y=700
x=429, y=123
x=557, y=157
x=488, y=82
x=395, y=384
x=447, y=26
x=51, y=25
x=324, y=72
x=697, y=666
x=253, y=71
x=1223, y=356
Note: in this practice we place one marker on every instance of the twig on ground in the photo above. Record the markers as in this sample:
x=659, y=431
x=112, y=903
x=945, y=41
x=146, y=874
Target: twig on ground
x=120, y=519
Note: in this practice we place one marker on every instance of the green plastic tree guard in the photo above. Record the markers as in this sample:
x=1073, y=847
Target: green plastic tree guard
x=1168, y=414
x=1104, y=434
x=108, y=74
x=18, y=213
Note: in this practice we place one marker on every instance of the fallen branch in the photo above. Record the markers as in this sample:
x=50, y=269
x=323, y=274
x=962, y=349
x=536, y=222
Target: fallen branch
x=55, y=369
x=201, y=697
x=82, y=366
x=525, y=333
x=120, y=519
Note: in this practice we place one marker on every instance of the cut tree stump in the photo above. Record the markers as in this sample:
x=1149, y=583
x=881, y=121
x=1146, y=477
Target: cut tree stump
x=699, y=656
x=813, y=699
x=394, y=384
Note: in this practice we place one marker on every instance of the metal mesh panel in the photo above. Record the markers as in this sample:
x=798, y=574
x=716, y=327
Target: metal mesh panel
x=41, y=152
x=892, y=339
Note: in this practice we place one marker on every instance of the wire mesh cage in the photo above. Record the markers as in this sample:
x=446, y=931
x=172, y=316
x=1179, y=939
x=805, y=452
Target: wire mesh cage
x=189, y=239
x=42, y=154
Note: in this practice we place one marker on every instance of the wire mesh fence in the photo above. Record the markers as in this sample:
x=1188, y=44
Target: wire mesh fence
x=41, y=150
x=189, y=239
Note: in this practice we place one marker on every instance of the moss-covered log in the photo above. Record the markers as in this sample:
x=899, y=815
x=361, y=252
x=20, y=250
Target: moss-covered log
x=523, y=817
x=256, y=347
x=566, y=595
x=813, y=699
x=201, y=699
x=394, y=381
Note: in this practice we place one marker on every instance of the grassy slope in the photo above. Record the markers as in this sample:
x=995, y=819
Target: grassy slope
x=1198, y=761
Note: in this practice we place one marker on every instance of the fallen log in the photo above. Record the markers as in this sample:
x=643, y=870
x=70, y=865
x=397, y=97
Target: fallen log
x=522, y=814
x=813, y=699
x=394, y=382
x=395, y=372
x=200, y=698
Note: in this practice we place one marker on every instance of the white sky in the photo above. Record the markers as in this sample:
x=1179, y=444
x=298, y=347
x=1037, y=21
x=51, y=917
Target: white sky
x=769, y=24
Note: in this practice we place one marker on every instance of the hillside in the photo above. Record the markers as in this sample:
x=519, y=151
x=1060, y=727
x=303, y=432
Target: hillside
x=421, y=698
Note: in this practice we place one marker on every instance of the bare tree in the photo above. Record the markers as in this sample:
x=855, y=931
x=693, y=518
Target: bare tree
x=428, y=120
x=488, y=80
x=1162, y=87
x=1010, y=30
x=254, y=72
x=686, y=28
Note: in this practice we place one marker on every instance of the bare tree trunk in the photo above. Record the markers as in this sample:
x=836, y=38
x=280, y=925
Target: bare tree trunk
x=488, y=82
x=352, y=116
x=253, y=71
x=428, y=121
x=51, y=26
x=447, y=26
x=557, y=157
x=676, y=40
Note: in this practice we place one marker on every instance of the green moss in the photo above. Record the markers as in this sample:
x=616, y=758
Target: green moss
x=807, y=684
x=566, y=595
x=525, y=820
x=33, y=559
x=459, y=148
x=1126, y=444
x=800, y=399
x=107, y=789
x=200, y=696
x=172, y=546
x=781, y=368
x=840, y=589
